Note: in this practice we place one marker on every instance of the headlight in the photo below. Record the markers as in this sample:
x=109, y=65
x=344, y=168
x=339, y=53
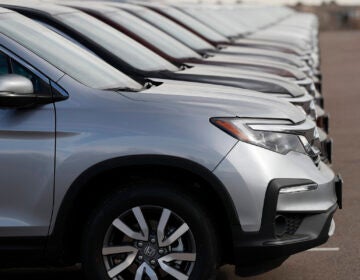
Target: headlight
x=282, y=143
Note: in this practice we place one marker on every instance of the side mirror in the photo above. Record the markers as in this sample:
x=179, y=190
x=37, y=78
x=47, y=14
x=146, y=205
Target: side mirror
x=16, y=92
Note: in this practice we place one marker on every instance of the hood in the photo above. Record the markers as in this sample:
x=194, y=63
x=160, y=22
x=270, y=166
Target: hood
x=258, y=62
x=217, y=101
x=263, y=82
x=271, y=45
x=274, y=55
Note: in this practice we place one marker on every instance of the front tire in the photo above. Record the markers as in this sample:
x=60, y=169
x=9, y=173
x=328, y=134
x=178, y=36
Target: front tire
x=149, y=231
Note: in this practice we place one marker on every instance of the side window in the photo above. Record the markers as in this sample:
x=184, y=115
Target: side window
x=40, y=87
x=10, y=66
x=4, y=64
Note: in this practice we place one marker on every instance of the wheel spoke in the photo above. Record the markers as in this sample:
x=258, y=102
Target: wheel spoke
x=142, y=222
x=118, y=250
x=188, y=257
x=162, y=225
x=145, y=269
x=172, y=271
x=143, y=235
x=175, y=236
x=125, y=264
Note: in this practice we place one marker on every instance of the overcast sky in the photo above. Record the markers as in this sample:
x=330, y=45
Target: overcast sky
x=314, y=2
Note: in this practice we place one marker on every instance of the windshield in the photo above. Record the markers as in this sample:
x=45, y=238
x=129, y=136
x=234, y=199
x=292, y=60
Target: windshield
x=218, y=23
x=116, y=42
x=183, y=35
x=194, y=24
x=63, y=54
x=151, y=34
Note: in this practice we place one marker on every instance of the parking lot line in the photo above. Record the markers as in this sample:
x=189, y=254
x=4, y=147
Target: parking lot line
x=334, y=249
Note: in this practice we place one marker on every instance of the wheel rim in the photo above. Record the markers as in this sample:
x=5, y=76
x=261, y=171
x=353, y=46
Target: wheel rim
x=149, y=243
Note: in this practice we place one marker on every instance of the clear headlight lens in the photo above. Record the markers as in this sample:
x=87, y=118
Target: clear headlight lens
x=282, y=143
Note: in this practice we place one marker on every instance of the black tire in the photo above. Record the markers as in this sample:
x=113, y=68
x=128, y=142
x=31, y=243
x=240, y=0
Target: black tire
x=165, y=195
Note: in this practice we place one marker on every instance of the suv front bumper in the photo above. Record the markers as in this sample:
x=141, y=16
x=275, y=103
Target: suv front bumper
x=254, y=176
x=255, y=254
x=259, y=252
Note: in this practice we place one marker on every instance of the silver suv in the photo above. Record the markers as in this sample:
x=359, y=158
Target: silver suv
x=167, y=182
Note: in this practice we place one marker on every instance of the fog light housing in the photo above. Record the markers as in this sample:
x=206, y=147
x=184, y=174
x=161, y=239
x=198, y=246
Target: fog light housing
x=280, y=226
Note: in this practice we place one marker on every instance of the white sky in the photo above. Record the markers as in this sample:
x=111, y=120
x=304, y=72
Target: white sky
x=313, y=2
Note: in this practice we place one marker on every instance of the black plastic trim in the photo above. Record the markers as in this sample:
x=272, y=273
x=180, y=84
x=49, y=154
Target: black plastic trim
x=339, y=190
x=22, y=250
x=271, y=199
x=267, y=229
x=253, y=258
x=257, y=252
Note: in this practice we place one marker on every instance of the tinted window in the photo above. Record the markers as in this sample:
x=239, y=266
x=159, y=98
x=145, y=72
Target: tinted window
x=194, y=24
x=63, y=54
x=151, y=34
x=183, y=35
x=119, y=44
x=218, y=23
x=4, y=64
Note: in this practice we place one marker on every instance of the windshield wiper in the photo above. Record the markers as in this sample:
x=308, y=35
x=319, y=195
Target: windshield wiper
x=148, y=84
x=206, y=55
x=123, y=89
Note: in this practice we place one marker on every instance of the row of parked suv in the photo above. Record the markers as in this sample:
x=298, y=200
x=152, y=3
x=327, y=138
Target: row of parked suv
x=152, y=141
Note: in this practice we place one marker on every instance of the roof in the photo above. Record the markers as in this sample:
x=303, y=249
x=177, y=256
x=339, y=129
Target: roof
x=5, y=11
x=48, y=8
x=98, y=6
x=127, y=6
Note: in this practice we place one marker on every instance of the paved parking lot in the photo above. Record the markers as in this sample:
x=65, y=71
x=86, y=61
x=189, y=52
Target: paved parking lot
x=340, y=258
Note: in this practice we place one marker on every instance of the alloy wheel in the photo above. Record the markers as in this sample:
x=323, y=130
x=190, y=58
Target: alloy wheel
x=149, y=243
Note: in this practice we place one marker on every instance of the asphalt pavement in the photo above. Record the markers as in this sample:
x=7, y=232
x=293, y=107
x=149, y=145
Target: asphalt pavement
x=339, y=258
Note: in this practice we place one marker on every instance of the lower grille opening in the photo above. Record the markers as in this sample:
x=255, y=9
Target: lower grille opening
x=287, y=224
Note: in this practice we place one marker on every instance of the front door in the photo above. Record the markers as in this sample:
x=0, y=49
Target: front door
x=27, y=151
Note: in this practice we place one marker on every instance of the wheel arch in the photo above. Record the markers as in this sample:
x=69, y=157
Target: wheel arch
x=124, y=167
